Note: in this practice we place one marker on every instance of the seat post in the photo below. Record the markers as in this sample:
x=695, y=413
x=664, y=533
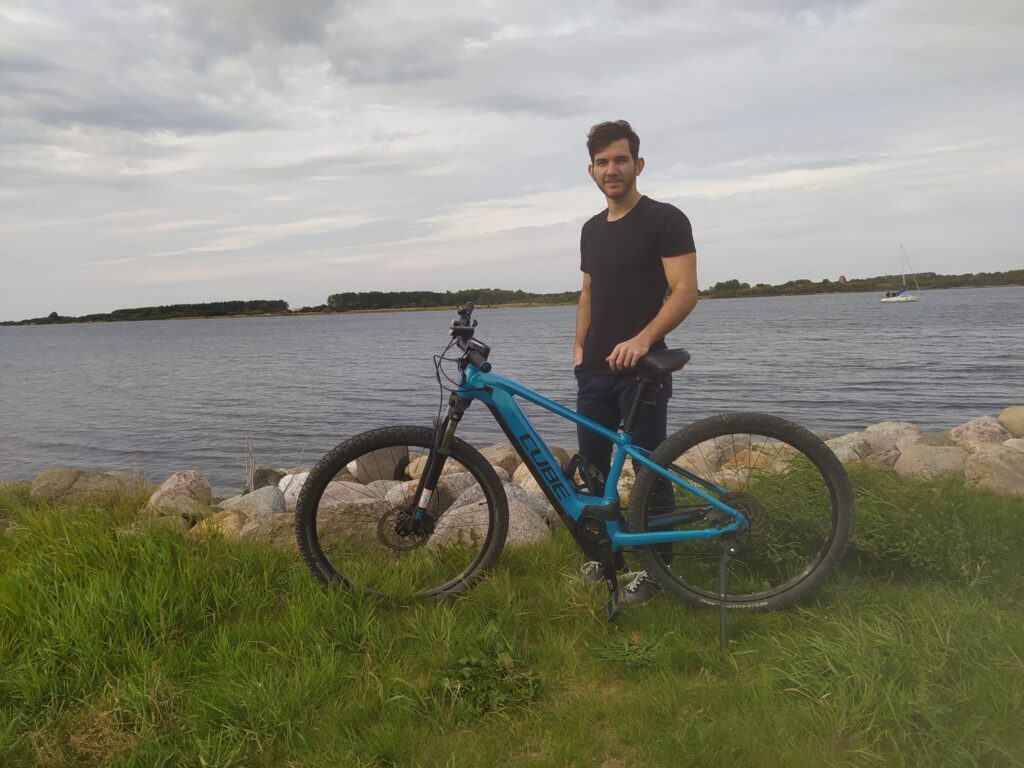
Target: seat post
x=645, y=393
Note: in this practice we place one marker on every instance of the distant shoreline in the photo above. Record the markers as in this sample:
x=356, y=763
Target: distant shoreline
x=731, y=292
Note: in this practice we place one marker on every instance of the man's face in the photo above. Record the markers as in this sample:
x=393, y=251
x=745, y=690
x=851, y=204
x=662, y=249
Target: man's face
x=614, y=170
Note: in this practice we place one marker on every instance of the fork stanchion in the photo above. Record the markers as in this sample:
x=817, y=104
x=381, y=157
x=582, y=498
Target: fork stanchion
x=728, y=552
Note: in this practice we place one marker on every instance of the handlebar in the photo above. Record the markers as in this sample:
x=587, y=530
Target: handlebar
x=474, y=351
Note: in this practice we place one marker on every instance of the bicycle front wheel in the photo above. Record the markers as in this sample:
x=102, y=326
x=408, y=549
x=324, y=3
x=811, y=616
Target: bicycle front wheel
x=784, y=479
x=349, y=515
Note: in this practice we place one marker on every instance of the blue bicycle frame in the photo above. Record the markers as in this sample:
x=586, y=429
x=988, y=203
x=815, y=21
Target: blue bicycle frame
x=498, y=394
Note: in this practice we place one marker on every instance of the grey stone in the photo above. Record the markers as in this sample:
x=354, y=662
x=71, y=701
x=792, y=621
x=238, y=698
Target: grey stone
x=885, y=435
x=1017, y=443
x=997, y=468
x=383, y=464
x=68, y=484
x=470, y=521
x=980, y=431
x=268, y=500
x=502, y=455
x=184, y=494
x=921, y=460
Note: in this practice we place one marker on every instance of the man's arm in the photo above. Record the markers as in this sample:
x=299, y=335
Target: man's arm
x=681, y=273
x=582, y=320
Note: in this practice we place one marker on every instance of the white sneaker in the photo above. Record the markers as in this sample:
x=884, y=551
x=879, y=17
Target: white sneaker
x=641, y=589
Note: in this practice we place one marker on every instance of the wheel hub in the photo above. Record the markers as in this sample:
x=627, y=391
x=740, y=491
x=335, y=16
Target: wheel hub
x=393, y=530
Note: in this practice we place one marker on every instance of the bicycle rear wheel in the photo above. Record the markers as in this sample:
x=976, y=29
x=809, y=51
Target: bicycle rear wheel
x=348, y=516
x=784, y=479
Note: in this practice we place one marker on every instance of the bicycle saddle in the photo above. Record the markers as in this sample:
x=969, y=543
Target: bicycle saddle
x=661, y=363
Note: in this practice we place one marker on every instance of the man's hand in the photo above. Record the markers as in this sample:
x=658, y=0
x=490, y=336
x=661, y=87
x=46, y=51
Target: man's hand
x=577, y=355
x=627, y=353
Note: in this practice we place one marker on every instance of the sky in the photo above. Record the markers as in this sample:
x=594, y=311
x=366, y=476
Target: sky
x=161, y=153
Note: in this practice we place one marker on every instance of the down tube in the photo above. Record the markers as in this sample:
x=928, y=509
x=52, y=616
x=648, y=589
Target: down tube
x=489, y=390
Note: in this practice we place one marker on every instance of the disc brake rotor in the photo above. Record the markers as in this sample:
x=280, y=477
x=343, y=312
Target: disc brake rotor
x=390, y=536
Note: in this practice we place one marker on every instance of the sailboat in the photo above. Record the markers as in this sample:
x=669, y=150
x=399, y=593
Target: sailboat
x=903, y=294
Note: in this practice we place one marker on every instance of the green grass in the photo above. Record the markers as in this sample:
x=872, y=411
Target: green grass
x=152, y=650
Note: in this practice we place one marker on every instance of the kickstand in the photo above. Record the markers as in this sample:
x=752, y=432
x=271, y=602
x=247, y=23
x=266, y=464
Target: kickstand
x=614, y=607
x=728, y=552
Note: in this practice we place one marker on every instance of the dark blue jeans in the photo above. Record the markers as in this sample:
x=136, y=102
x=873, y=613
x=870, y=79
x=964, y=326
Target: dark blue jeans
x=606, y=398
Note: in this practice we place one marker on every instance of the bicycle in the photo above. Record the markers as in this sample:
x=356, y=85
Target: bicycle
x=741, y=510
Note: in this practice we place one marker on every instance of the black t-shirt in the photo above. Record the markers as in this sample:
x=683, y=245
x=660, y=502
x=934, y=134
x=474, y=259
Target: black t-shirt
x=627, y=278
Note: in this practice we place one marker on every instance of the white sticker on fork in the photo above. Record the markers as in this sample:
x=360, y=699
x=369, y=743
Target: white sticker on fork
x=425, y=498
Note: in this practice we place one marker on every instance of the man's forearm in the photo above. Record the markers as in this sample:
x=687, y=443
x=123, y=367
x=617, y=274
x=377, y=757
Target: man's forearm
x=582, y=318
x=671, y=314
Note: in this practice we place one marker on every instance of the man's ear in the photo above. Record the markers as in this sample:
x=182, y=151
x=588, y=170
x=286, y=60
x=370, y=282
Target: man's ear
x=590, y=170
x=639, y=165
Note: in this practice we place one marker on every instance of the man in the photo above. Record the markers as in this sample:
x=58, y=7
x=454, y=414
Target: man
x=630, y=254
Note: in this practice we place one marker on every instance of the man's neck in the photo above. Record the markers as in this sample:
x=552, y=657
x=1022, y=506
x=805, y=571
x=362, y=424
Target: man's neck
x=619, y=208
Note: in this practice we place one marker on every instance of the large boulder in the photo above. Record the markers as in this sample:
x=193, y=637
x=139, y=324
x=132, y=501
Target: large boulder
x=921, y=460
x=227, y=523
x=539, y=506
x=268, y=500
x=1012, y=419
x=851, y=447
x=68, y=484
x=1017, y=443
x=291, y=486
x=276, y=531
x=885, y=435
x=997, y=468
x=186, y=494
x=502, y=455
x=980, y=431
x=468, y=522
x=383, y=464
x=417, y=464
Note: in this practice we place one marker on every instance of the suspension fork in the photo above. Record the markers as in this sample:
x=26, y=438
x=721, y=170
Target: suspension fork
x=420, y=520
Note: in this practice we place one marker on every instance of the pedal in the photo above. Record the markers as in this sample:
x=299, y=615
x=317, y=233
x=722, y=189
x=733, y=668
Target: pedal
x=591, y=479
x=615, y=604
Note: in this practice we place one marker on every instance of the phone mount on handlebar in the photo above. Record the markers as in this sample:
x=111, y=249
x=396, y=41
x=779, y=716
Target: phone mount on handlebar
x=474, y=350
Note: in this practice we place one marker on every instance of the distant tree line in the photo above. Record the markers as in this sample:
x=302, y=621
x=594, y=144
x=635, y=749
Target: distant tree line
x=210, y=309
x=349, y=301
x=384, y=300
x=925, y=280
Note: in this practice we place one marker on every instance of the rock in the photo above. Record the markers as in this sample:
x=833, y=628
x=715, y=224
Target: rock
x=352, y=521
x=291, y=486
x=502, y=455
x=68, y=484
x=934, y=439
x=513, y=492
x=885, y=435
x=921, y=460
x=1017, y=443
x=277, y=531
x=185, y=493
x=402, y=496
x=383, y=464
x=985, y=429
x=996, y=468
x=884, y=459
x=227, y=523
x=268, y=500
x=263, y=477
x=54, y=484
x=562, y=456
x=522, y=472
x=418, y=463
x=464, y=523
x=1012, y=419
x=502, y=474
x=851, y=447
x=380, y=488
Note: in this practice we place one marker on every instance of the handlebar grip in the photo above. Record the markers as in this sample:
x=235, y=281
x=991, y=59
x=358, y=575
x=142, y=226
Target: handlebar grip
x=477, y=359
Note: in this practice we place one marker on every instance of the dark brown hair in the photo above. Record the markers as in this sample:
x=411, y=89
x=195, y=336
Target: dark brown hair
x=603, y=134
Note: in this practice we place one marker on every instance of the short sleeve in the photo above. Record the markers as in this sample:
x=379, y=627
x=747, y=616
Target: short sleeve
x=583, y=250
x=675, y=236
